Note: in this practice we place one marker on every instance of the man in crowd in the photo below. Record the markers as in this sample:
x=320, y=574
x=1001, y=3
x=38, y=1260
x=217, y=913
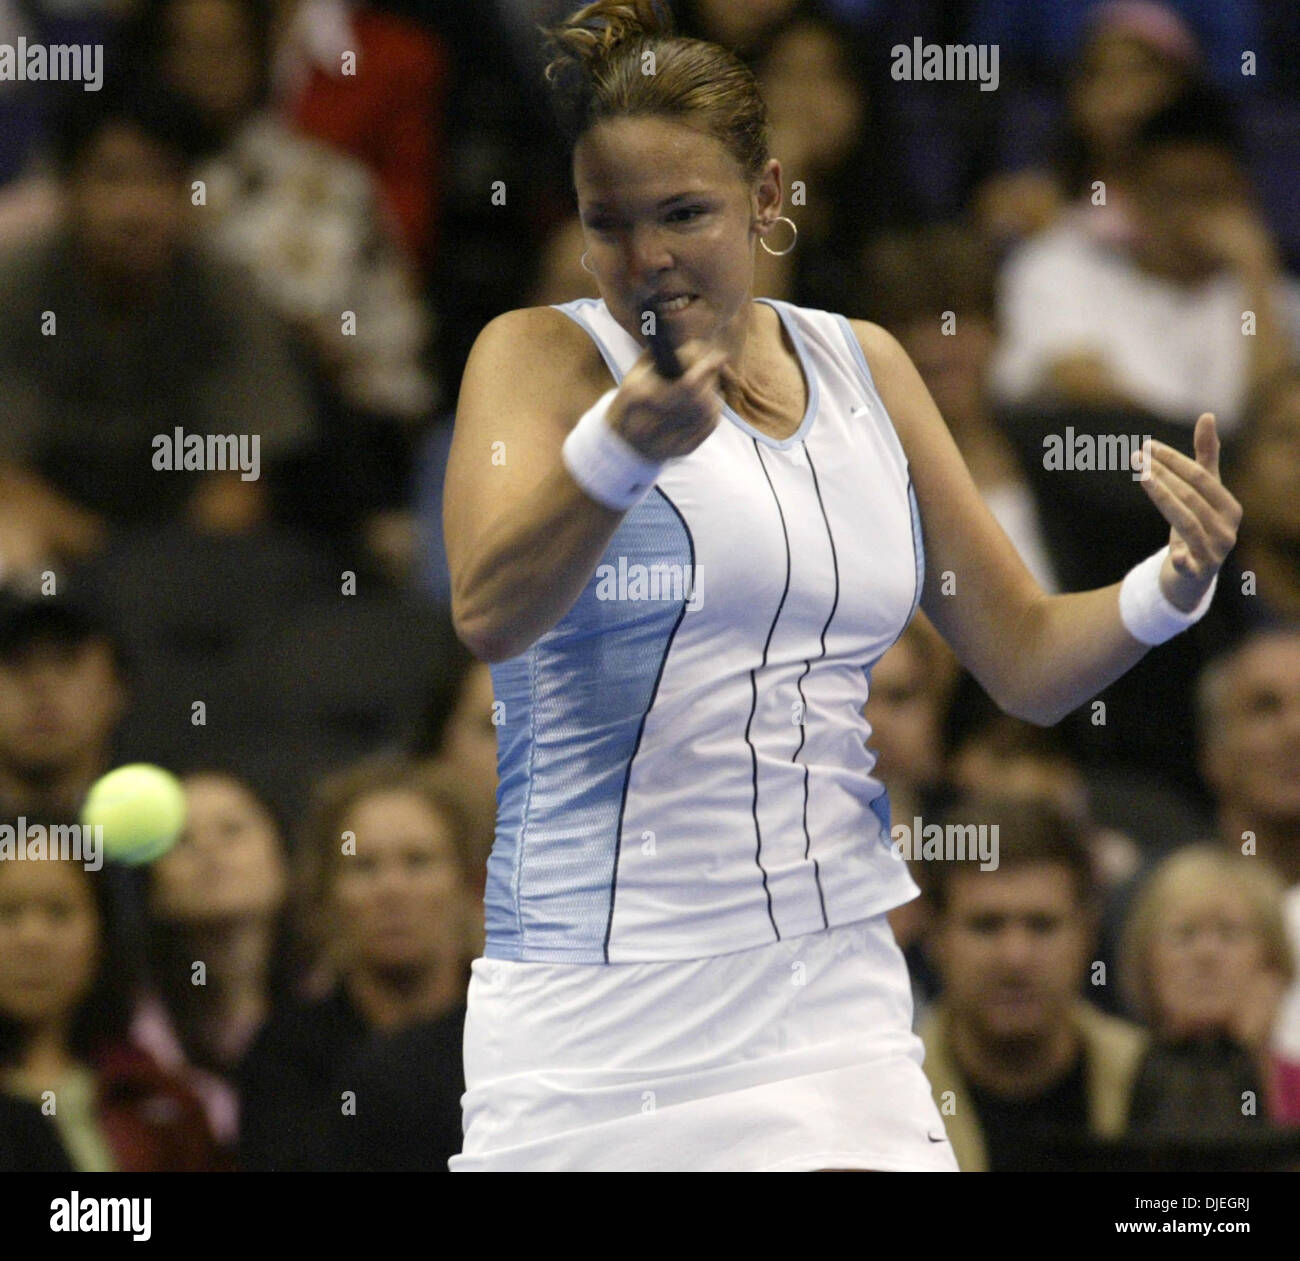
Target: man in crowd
x=62, y=692
x=114, y=330
x=1017, y=1061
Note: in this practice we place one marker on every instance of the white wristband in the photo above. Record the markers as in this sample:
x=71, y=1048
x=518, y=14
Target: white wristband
x=1143, y=609
x=604, y=463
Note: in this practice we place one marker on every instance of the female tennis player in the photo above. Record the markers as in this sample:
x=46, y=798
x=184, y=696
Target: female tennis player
x=682, y=583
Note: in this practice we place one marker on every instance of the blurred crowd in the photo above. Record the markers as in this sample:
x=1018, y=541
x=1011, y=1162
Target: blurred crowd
x=290, y=219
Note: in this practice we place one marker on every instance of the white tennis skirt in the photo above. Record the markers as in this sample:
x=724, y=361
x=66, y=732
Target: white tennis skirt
x=798, y=1055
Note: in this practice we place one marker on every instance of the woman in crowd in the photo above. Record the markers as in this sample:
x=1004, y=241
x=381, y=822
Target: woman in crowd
x=307, y=220
x=218, y=944
x=1135, y=59
x=66, y=997
x=468, y=747
x=1205, y=964
x=385, y=910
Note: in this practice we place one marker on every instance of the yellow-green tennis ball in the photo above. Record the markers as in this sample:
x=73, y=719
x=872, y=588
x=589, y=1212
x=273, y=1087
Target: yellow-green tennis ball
x=141, y=809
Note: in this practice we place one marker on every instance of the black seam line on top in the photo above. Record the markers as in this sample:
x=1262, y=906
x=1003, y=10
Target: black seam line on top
x=807, y=840
x=753, y=689
x=835, y=604
x=640, y=731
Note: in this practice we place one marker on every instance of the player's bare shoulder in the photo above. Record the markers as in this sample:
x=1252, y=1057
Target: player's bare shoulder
x=535, y=357
x=878, y=344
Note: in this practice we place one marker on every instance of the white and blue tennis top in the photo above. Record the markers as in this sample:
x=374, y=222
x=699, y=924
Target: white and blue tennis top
x=682, y=759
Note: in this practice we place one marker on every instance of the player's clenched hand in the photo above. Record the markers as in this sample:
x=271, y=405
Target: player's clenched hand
x=663, y=418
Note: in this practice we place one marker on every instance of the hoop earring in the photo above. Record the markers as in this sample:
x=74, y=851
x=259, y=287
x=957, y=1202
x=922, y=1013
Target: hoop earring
x=778, y=253
x=583, y=262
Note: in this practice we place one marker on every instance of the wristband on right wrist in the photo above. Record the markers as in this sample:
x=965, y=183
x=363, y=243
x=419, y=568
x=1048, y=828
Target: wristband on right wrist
x=604, y=463
x=1145, y=612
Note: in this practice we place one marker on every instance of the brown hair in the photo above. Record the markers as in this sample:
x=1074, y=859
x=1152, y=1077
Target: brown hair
x=320, y=852
x=619, y=59
x=1030, y=830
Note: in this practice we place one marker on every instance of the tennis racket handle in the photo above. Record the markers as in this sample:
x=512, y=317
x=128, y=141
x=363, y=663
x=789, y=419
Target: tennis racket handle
x=662, y=350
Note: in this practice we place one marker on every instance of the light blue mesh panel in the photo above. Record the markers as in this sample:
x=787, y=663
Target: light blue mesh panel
x=574, y=707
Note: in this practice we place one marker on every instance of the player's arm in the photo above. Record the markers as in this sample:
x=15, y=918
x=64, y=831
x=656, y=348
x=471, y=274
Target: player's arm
x=1037, y=656
x=522, y=537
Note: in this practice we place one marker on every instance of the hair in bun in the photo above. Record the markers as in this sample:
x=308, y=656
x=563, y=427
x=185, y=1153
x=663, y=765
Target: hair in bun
x=619, y=58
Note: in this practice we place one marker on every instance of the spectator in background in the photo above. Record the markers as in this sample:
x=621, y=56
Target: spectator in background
x=561, y=278
x=1134, y=60
x=500, y=127
x=66, y=996
x=1016, y=1060
x=1248, y=724
x=304, y=219
x=218, y=898
x=385, y=908
x=1264, y=470
x=831, y=162
x=1157, y=322
x=1129, y=819
x=62, y=693
x=743, y=28
x=1204, y=966
x=468, y=749
x=114, y=330
x=386, y=110
x=1038, y=39
x=910, y=687
x=1248, y=718
x=1008, y=757
x=933, y=289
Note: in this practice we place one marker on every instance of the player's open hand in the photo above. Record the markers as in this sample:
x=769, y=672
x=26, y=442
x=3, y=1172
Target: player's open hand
x=1203, y=514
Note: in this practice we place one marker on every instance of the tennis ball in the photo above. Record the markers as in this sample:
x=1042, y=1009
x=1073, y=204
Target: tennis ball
x=141, y=809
